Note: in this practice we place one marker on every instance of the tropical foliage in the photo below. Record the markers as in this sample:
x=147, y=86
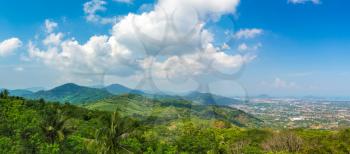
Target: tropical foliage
x=36, y=126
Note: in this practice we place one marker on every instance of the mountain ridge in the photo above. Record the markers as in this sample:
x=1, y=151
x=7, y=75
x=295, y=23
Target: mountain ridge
x=210, y=99
x=71, y=93
x=118, y=89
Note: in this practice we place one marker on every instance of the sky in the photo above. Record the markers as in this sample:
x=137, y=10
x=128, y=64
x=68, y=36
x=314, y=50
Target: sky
x=227, y=47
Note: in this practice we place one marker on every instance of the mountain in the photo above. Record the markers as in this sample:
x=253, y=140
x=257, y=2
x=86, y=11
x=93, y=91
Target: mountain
x=35, y=89
x=118, y=89
x=72, y=93
x=168, y=109
x=210, y=99
x=20, y=93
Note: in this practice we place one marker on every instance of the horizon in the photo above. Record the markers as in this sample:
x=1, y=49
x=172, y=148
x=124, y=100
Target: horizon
x=172, y=93
x=235, y=48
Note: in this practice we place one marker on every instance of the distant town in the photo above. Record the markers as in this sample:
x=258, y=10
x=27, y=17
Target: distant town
x=299, y=113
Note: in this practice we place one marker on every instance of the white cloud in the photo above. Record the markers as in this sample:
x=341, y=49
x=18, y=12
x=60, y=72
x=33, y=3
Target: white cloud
x=94, y=6
x=304, y=1
x=50, y=26
x=10, y=45
x=177, y=26
x=171, y=40
x=124, y=1
x=248, y=33
x=91, y=9
x=98, y=55
x=197, y=64
x=211, y=8
x=244, y=47
x=53, y=39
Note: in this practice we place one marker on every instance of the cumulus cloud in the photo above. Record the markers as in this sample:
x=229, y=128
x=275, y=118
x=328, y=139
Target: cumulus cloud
x=91, y=8
x=53, y=39
x=248, y=33
x=211, y=8
x=98, y=55
x=197, y=64
x=304, y=1
x=170, y=40
x=174, y=26
x=175, y=29
x=50, y=25
x=10, y=45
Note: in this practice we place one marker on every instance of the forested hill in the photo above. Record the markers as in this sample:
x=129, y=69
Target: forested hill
x=118, y=89
x=71, y=93
x=168, y=108
x=36, y=126
x=210, y=99
x=77, y=94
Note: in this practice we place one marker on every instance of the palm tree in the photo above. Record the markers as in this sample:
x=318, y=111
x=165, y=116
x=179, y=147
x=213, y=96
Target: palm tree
x=53, y=127
x=108, y=139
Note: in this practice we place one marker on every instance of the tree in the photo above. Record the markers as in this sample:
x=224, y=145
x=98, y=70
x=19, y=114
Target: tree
x=283, y=142
x=238, y=147
x=4, y=94
x=109, y=139
x=53, y=127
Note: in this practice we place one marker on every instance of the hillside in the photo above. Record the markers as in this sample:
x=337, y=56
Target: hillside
x=36, y=126
x=76, y=94
x=210, y=99
x=21, y=93
x=71, y=93
x=118, y=89
x=167, y=109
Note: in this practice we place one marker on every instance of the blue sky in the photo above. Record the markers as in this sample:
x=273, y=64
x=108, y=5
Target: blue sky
x=290, y=48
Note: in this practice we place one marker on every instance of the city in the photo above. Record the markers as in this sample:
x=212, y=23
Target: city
x=299, y=113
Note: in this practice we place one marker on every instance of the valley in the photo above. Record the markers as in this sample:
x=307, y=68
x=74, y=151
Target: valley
x=278, y=113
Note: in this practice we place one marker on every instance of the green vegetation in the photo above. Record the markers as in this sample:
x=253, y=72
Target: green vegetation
x=168, y=109
x=118, y=89
x=143, y=125
x=19, y=92
x=210, y=99
x=71, y=93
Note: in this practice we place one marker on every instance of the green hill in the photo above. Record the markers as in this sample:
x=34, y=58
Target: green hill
x=21, y=93
x=36, y=126
x=71, y=93
x=210, y=99
x=118, y=89
x=167, y=109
